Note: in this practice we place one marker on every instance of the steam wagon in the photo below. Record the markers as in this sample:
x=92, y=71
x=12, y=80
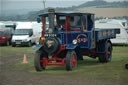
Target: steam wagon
x=68, y=36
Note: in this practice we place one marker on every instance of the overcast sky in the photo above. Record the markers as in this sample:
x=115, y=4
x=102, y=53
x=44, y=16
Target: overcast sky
x=36, y=5
x=26, y=4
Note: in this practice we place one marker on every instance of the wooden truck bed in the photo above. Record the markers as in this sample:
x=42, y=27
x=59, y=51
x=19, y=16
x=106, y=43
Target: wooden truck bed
x=102, y=34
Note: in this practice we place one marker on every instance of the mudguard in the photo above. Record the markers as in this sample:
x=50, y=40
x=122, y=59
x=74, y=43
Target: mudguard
x=71, y=47
x=36, y=47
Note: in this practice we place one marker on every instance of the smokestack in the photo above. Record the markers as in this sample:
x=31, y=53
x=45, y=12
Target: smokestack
x=51, y=15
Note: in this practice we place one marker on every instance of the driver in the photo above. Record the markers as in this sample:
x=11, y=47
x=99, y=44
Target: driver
x=57, y=28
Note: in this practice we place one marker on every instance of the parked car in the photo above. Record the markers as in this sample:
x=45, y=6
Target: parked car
x=5, y=37
x=26, y=33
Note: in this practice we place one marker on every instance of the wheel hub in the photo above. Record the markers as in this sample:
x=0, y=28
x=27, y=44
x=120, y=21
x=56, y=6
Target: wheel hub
x=73, y=61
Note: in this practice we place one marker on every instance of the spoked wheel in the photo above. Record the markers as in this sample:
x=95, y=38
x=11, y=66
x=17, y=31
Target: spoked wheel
x=40, y=61
x=71, y=60
x=106, y=57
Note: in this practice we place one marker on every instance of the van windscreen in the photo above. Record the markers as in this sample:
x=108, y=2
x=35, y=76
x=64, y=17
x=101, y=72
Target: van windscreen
x=22, y=31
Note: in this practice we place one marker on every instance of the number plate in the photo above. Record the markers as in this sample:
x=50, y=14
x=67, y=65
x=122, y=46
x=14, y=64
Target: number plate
x=18, y=42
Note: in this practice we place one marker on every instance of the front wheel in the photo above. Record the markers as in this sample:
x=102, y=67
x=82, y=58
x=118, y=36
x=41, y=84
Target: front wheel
x=29, y=43
x=71, y=60
x=13, y=45
x=106, y=57
x=39, y=61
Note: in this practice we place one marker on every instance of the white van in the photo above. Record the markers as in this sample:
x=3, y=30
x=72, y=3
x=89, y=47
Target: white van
x=26, y=33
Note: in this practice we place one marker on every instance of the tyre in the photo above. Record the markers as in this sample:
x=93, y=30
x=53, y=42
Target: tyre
x=39, y=61
x=126, y=66
x=29, y=43
x=13, y=45
x=106, y=57
x=71, y=60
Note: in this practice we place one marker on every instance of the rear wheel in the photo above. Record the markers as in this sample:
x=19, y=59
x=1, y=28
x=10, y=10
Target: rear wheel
x=71, y=60
x=106, y=57
x=40, y=61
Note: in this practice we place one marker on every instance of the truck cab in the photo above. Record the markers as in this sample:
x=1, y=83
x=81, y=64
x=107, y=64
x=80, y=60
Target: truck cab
x=69, y=37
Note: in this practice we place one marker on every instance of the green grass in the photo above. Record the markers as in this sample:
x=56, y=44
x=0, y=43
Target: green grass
x=10, y=51
x=89, y=67
x=16, y=49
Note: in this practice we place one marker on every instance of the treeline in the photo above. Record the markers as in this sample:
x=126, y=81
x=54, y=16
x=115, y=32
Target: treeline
x=35, y=15
x=14, y=18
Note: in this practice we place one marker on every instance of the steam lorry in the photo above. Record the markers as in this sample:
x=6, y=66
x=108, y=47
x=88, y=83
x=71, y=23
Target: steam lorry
x=70, y=36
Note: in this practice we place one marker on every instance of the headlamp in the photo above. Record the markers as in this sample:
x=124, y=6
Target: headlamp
x=74, y=41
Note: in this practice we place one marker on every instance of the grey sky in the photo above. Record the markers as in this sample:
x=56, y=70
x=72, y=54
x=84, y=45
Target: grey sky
x=26, y=4
x=35, y=5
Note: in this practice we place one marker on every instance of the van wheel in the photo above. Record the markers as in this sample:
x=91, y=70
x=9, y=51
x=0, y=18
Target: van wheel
x=13, y=45
x=106, y=57
x=71, y=60
x=29, y=43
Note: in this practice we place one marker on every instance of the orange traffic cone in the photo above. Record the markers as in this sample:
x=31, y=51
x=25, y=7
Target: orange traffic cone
x=25, y=59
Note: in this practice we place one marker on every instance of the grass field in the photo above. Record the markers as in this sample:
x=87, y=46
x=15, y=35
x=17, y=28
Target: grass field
x=88, y=68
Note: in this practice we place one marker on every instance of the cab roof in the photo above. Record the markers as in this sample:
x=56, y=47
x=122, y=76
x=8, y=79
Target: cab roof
x=72, y=13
